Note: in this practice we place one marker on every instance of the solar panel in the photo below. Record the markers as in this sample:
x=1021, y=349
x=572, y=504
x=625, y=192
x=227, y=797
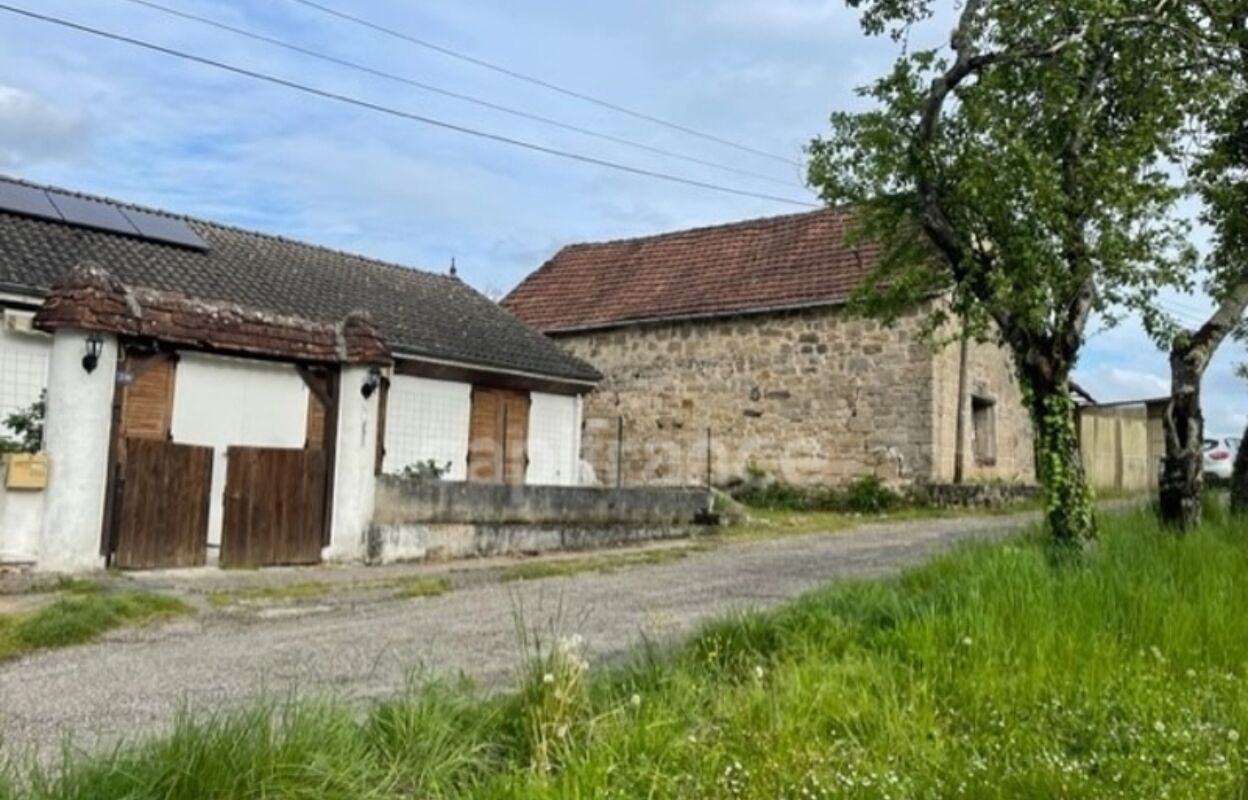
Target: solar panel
x=165, y=229
x=92, y=213
x=27, y=200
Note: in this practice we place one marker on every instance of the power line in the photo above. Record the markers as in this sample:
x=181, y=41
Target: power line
x=427, y=87
x=399, y=113
x=554, y=87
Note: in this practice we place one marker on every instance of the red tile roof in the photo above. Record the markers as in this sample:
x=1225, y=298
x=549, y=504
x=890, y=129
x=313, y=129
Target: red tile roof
x=777, y=262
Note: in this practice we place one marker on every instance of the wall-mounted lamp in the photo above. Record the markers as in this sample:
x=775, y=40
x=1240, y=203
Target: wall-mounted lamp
x=371, y=383
x=95, y=344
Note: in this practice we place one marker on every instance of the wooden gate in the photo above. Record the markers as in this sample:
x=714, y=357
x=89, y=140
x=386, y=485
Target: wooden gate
x=274, y=507
x=162, y=501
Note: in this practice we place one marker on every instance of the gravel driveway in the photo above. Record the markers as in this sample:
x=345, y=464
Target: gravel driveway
x=131, y=684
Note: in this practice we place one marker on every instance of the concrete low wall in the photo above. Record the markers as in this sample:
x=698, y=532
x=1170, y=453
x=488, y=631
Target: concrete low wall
x=21, y=520
x=478, y=503
x=437, y=519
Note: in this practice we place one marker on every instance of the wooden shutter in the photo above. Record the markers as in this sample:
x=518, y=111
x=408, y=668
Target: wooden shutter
x=516, y=441
x=316, y=422
x=147, y=402
x=498, y=436
x=485, y=436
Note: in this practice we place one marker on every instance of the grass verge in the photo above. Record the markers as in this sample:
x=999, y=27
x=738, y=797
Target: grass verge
x=988, y=673
x=532, y=570
x=421, y=587
x=80, y=617
x=289, y=591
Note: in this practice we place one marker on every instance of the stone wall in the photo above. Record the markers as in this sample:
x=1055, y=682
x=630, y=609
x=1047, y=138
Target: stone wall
x=991, y=376
x=811, y=397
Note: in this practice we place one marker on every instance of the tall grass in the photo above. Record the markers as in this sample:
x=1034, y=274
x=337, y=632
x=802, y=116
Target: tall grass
x=989, y=673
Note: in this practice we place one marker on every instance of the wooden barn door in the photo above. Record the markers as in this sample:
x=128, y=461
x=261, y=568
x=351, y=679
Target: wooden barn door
x=162, y=498
x=498, y=435
x=274, y=506
x=159, y=493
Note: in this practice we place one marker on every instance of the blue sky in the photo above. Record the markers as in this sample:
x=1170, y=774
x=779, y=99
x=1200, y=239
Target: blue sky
x=106, y=118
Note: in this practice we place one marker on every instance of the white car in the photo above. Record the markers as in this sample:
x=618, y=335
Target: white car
x=1220, y=457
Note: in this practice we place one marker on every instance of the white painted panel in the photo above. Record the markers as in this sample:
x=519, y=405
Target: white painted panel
x=427, y=419
x=554, y=430
x=23, y=370
x=219, y=402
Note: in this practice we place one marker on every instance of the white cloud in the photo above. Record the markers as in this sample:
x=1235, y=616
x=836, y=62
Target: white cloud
x=1111, y=384
x=32, y=130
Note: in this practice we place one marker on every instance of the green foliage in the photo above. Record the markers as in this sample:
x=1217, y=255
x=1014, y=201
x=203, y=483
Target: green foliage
x=987, y=673
x=422, y=587
x=428, y=470
x=865, y=495
x=27, y=426
x=1022, y=174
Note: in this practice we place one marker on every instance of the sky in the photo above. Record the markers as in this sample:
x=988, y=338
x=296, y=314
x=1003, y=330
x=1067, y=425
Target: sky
x=105, y=117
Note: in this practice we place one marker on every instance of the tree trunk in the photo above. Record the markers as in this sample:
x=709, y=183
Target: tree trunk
x=1068, y=499
x=1182, y=467
x=1239, y=478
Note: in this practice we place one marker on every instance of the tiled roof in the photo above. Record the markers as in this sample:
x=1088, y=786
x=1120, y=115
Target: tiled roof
x=419, y=313
x=777, y=262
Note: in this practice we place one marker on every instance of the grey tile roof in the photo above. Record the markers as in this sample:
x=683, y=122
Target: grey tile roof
x=420, y=313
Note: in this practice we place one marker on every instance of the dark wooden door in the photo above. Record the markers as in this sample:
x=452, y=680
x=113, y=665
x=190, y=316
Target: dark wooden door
x=274, y=507
x=163, y=501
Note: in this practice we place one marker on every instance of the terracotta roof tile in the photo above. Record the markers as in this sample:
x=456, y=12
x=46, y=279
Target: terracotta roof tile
x=775, y=262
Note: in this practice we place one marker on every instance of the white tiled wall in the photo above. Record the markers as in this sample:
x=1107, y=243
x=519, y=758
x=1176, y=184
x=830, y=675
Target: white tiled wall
x=427, y=419
x=554, y=440
x=23, y=370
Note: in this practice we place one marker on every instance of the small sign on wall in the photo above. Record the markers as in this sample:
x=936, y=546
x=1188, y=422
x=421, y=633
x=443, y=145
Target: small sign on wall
x=26, y=471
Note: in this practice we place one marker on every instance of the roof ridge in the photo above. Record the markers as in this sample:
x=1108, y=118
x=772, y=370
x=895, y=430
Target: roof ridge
x=274, y=237
x=717, y=226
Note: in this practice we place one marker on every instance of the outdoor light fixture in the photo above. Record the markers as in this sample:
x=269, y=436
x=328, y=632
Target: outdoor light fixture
x=95, y=344
x=371, y=383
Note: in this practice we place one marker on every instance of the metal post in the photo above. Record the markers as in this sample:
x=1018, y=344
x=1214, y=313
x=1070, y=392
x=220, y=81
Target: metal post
x=708, y=457
x=619, y=452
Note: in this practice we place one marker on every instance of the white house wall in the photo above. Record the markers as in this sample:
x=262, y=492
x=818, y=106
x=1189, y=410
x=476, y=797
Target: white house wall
x=427, y=419
x=219, y=402
x=23, y=370
x=554, y=440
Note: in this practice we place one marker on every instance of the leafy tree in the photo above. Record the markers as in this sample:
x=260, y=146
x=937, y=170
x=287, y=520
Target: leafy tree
x=1020, y=175
x=1219, y=41
x=27, y=426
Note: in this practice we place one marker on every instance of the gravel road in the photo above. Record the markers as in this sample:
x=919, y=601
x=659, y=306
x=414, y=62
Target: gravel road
x=131, y=684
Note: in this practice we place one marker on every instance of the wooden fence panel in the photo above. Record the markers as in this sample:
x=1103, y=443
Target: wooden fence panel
x=274, y=507
x=164, y=497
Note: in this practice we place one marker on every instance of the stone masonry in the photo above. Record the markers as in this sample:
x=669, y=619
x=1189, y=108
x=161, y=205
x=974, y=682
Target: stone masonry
x=811, y=397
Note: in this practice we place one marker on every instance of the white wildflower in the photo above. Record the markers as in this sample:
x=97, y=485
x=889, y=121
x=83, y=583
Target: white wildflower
x=759, y=672
x=1232, y=736
x=548, y=679
x=635, y=700
x=967, y=641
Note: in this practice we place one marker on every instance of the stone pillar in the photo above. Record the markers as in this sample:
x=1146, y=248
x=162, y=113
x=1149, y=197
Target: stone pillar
x=354, y=463
x=76, y=436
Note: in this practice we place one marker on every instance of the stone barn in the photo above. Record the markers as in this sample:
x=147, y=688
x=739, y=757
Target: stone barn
x=728, y=350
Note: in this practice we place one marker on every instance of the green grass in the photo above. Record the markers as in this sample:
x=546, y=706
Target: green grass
x=989, y=673
x=288, y=591
x=532, y=570
x=81, y=616
x=421, y=587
